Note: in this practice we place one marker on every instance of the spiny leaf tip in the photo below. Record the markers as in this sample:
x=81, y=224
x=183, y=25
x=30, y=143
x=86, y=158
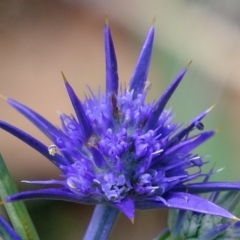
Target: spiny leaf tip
x=64, y=78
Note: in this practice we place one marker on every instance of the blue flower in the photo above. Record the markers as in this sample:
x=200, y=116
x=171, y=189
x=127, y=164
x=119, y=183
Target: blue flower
x=120, y=149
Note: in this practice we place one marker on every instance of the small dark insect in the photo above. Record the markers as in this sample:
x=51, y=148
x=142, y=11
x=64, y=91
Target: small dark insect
x=199, y=126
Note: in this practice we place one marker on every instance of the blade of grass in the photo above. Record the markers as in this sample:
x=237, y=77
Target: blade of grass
x=17, y=211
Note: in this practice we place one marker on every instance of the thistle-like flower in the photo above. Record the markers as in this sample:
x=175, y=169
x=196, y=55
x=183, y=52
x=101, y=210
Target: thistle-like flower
x=121, y=150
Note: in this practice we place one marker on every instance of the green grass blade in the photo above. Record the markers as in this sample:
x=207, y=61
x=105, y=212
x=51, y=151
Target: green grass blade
x=17, y=211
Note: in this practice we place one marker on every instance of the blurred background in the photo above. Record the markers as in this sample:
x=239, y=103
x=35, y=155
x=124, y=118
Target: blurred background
x=39, y=39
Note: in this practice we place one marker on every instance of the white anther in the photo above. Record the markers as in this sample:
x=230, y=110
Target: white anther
x=157, y=152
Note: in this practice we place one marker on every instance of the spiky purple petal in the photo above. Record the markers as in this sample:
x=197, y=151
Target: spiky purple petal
x=45, y=126
x=186, y=201
x=185, y=131
x=51, y=194
x=139, y=77
x=111, y=63
x=162, y=102
x=78, y=108
x=33, y=142
x=127, y=206
x=7, y=231
x=190, y=144
x=204, y=187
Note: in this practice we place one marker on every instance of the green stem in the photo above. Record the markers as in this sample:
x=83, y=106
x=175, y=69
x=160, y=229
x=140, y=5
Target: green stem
x=102, y=222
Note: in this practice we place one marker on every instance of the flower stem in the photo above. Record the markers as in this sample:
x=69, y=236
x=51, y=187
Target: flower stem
x=103, y=219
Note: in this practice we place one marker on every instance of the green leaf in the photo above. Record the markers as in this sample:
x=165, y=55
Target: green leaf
x=17, y=211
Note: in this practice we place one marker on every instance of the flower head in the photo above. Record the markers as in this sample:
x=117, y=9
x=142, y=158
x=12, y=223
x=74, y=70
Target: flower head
x=122, y=150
